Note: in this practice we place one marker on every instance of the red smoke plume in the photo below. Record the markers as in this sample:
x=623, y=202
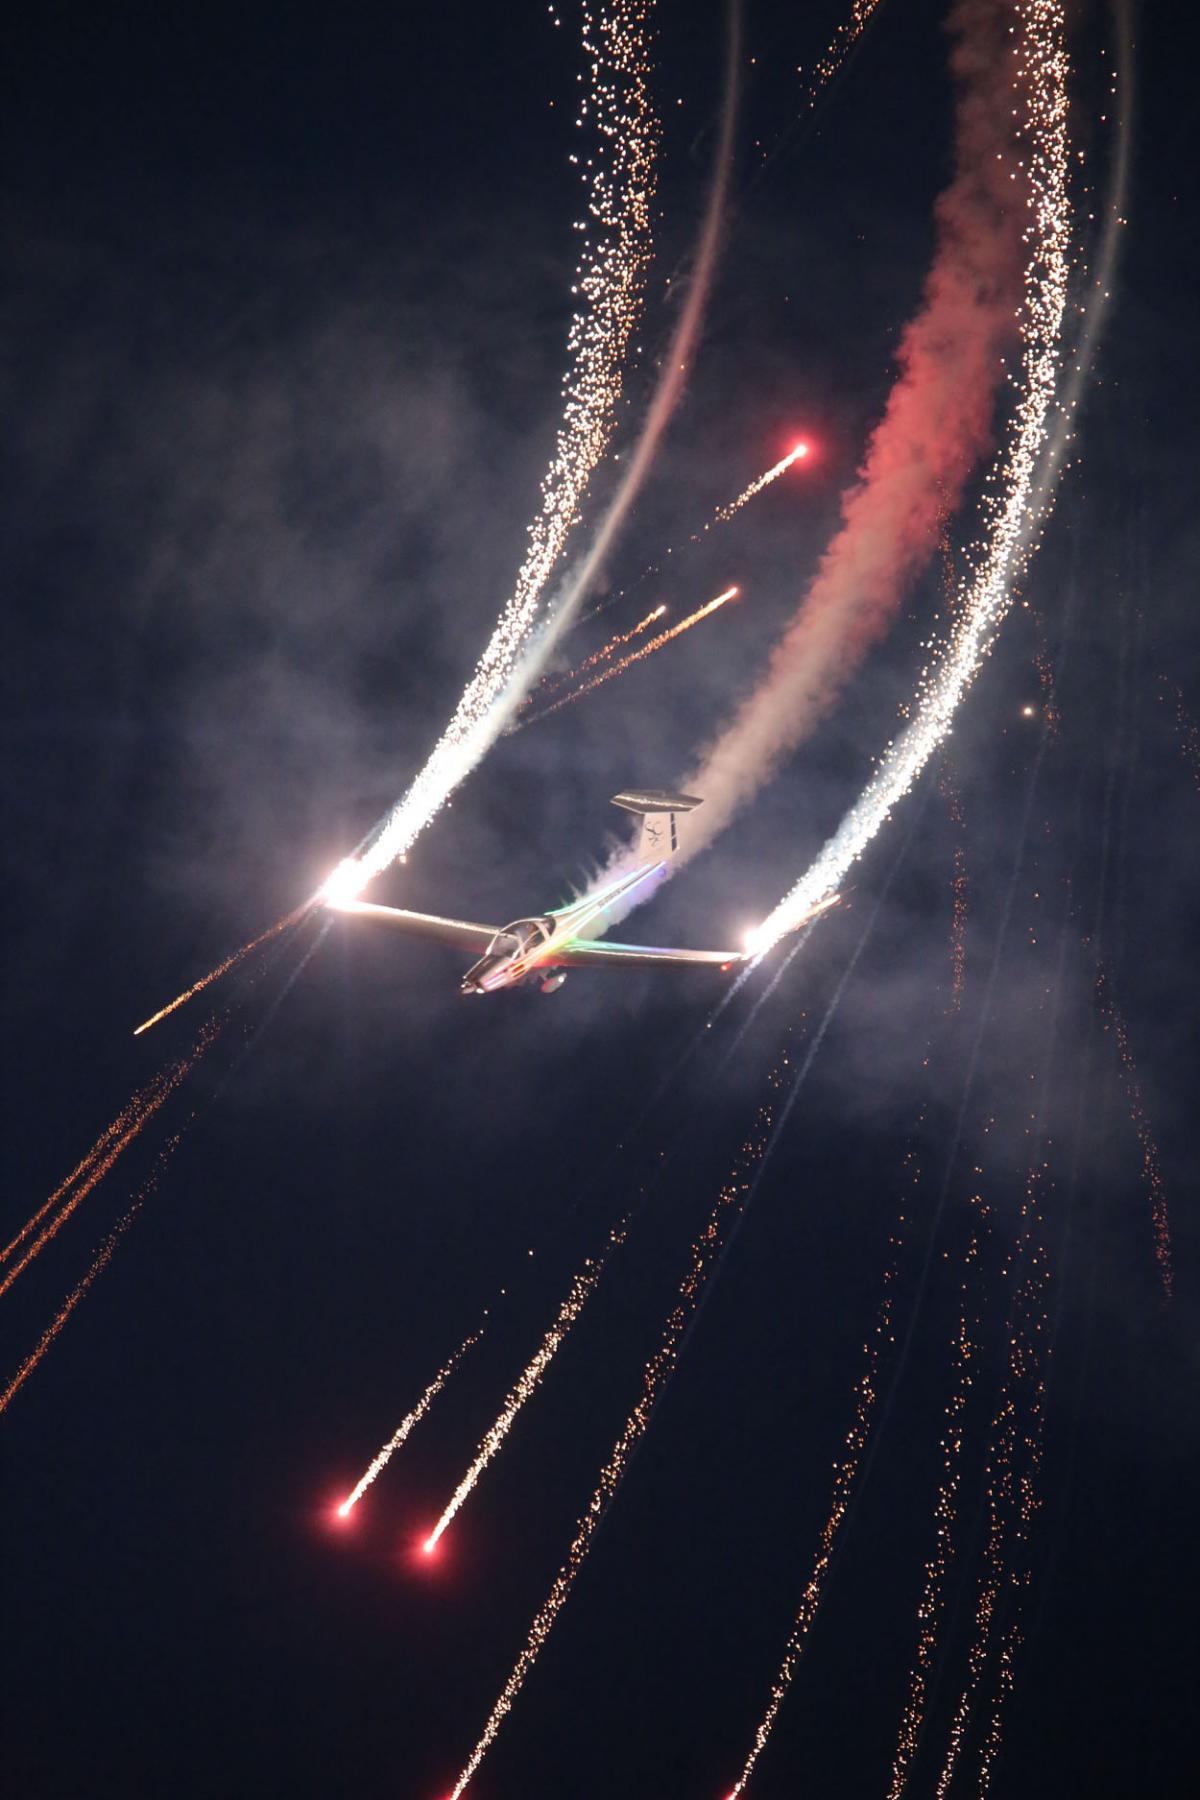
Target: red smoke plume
x=936, y=427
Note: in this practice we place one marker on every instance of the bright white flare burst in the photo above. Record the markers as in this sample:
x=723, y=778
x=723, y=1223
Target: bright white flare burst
x=610, y=278
x=406, y=1425
x=1019, y=487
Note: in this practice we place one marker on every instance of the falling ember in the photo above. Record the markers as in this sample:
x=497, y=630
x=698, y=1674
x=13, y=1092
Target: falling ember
x=958, y=915
x=635, y=656
x=406, y=1425
x=655, y=1375
x=230, y=962
x=109, y=1147
x=581, y=1291
x=79, y=1292
x=845, y=1474
x=1020, y=489
x=1189, y=733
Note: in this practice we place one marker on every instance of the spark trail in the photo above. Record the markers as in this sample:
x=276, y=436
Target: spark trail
x=580, y=1292
x=845, y=1475
x=552, y=684
x=724, y=513
x=82, y=1287
x=1011, y=1478
x=932, y=1604
x=111, y=1145
x=406, y=1425
x=1021, y=487
x=231, y=962
x=704, y=1254
x=627, y=662
x=1160, y=1217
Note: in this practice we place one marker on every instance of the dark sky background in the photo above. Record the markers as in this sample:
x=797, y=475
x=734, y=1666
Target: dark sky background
x=285, y=307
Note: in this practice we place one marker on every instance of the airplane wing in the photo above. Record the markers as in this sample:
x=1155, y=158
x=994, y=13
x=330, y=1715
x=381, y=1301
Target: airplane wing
x=597, y=953
x=460, y=932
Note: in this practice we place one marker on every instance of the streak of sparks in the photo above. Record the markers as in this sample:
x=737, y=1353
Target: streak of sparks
x=845, y=1474
x=635, y=656
x=128, y=1124
x=959, y=889
x=655, y=1375
x=1011, y=1485
x=550, y=684
x=610, y=277
x=720, y=516
x=406, y=1425
x=223, y=968
x=724, y=513
x=581, y=1290
x=1160, y=1218
x=101, y=1261
x=1020, y=487
x=932, y=1603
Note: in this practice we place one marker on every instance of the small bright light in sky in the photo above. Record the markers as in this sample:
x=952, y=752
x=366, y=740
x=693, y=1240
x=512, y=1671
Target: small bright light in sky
x=1027, y=712
x=800, y=450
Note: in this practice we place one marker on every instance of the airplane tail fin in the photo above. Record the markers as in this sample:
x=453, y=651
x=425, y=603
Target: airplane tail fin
x=663, y=815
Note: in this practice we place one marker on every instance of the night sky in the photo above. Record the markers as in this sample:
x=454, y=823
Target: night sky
x=286, y=298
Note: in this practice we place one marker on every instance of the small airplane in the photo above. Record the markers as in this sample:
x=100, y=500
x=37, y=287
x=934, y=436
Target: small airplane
x=539, y=952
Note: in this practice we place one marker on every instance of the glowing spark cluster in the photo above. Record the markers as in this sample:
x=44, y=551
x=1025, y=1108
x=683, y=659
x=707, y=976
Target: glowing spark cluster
x=845, y=1474
x=1019, y=489
x=843, y=41
x=655, y=1375
x=635, y=656
x=581, y=1291
x=223, y=968
x=111, y=1144
x=101, y=1261
x=1160, y=1217
x=756, y=487
x=406, y=1425
x=618, y=113
x=933, y=1595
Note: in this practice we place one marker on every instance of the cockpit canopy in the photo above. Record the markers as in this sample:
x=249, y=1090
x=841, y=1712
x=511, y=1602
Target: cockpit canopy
x=519, y=938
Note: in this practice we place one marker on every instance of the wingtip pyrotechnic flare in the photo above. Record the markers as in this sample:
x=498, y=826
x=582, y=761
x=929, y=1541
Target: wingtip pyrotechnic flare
x=345, y=883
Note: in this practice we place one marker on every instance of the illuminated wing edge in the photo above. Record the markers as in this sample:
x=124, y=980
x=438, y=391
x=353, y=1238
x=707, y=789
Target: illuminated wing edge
x=462, y=933
x=599, y=955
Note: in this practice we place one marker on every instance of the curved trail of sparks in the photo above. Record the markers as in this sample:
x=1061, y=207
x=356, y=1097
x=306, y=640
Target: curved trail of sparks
x=1022, y=484
x=407, y=1423
x=116, y=1139
x=611, y=278
x=230, y=962
x=581, y=1291
x=627, y=662
x=704, y=1254
x=79, y=1292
